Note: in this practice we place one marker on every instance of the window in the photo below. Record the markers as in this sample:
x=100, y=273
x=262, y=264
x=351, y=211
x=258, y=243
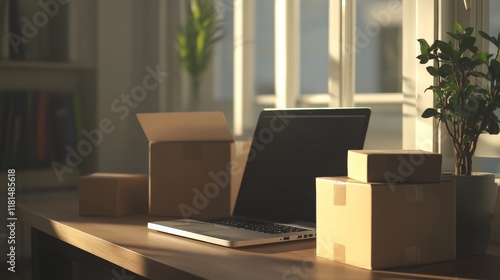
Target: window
x=313, y=46
x=378, y=72
x=378, y=46
x=307, y=48
x=371, y=50
x=489, y=150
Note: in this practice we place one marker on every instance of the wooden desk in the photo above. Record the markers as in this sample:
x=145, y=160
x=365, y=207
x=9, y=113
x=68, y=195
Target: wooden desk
x=127, y=243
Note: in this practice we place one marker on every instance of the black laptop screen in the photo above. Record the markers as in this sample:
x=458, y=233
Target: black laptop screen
x=290, y=149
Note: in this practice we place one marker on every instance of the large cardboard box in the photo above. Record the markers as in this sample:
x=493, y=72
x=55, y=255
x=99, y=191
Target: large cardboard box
x=394, y=166
x=112, y=194
x=189, y=164
x=380, y=225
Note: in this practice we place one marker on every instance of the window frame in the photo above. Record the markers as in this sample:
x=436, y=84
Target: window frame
x=431, y=19
x=422, y=19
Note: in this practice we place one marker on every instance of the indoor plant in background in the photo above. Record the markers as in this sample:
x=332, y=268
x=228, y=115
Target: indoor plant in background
x=466, y=96
x=195, y=41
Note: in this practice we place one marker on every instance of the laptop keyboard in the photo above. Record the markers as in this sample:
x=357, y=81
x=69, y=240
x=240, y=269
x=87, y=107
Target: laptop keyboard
x=260, y=226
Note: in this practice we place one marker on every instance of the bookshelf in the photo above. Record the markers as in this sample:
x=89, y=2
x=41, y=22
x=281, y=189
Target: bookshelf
x=47, y=60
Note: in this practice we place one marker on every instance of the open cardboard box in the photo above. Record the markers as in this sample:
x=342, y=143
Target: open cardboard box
x=190, y=164
x=380, y=225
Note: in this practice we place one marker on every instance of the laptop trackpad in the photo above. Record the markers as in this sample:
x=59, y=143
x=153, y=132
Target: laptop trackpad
x=220, y=231
x=200, y=227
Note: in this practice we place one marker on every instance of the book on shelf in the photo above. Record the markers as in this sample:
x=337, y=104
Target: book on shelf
x=4, y=30
x=16, y=39
x=34, y=31
x=38, y=128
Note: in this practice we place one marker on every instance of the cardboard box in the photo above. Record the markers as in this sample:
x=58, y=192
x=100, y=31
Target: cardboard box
x=189, y=164
x=394, y=166
x=239, y=155
x=380, y=225
x=111, y=194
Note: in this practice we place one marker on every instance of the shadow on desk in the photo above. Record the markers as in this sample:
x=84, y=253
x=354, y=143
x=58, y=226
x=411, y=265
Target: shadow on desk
x=476, y=267
x=278, y=248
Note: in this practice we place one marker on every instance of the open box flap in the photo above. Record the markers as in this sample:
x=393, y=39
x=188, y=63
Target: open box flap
x=185, y=127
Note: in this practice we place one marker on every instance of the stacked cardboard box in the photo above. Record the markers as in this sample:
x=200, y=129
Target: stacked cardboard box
x=391, y=211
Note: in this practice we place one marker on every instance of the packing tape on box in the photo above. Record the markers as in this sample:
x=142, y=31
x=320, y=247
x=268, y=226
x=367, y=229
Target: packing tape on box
x=339, y=193
x=338, y=252
x=412, y=255
x=414, y=193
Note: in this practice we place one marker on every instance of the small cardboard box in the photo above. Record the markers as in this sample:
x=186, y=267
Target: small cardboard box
x=380, y=225
x=189, y=164
x=394, y=166
x=111, y=194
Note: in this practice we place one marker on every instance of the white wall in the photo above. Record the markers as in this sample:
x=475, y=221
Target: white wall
x=127, y=52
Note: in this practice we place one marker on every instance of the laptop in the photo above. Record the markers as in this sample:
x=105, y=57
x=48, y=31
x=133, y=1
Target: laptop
x=277, y=197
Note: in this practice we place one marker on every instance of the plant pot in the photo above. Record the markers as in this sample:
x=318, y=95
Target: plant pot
x=495, y=225
x=476, y=198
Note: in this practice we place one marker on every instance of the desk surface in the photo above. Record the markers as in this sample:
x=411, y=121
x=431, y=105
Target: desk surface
x=126, y=242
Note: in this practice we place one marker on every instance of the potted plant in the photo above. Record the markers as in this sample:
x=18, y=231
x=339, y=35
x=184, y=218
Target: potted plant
x=467, y=93
x=196, y=39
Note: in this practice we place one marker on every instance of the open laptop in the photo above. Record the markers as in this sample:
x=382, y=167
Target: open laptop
x=276, y=200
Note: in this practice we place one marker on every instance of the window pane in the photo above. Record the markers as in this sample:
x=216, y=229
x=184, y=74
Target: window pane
x=264, y=47
x=490, y=161
x=224, y=56
x=378, y=46
x=314, y=46
x=494, y=21
x=494, y=28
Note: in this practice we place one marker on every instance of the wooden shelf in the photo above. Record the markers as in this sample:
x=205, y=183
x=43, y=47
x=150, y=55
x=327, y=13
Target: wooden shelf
x=45, y=65
x=49, y=76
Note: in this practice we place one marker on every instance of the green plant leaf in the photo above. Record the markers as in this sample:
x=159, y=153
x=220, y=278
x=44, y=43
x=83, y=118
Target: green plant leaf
x=494, y=68
x=432, y=70
x=467, y=43
x=444, y=57
x=446, y=48
x=488, y=37
x=424, y=58
x=468, y=31
x=195, y=10
x=424, y=46
x=465, y=63
x=481, y=57
x=454, y=35
x=478, y=74
x=458, y=28
x=200, y=42
x=445, y=70
x=453, y=86
x=430, y=112
x=196, y=37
